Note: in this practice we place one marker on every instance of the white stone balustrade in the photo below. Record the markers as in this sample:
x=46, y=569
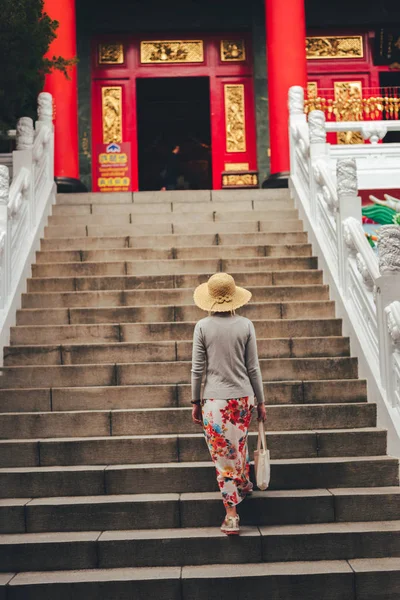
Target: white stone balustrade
x=25, y=204
x=366, y=288
x=378, y=165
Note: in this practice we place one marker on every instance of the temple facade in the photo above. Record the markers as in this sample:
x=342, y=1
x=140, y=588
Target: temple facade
x=211, y=78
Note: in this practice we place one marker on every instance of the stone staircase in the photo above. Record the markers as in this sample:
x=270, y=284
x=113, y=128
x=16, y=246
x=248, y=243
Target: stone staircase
x=107, y=490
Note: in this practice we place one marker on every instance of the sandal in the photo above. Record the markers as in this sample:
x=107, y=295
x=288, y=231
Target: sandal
x=230, y=525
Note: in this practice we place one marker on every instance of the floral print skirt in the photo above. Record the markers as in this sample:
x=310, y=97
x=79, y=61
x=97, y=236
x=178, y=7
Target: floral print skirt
x=226, y=424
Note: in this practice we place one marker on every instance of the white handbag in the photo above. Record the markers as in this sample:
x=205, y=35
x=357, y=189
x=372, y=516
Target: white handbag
x=262, y=466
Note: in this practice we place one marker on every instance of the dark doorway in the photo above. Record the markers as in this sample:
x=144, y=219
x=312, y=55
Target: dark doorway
x=174, y=111
x=392, y=81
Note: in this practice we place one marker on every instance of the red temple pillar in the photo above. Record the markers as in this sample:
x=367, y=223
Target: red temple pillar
x=286, y=60
x=64, y=92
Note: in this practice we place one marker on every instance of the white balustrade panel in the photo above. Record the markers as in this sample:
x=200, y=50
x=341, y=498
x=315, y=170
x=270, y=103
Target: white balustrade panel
x=378, y=165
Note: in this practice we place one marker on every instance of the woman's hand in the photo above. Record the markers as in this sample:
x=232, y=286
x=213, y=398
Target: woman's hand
x=196, y=414
x=261, y=414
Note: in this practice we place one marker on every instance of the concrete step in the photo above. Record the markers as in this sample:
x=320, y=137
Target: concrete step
x=179, y=196
x=202, y=509
x=171, y=207
x=143, y=373
x=198, y=546
x=159, y=253
x=164, y=396
x=151, y=332
x=341, y=472
x=173, y=267
x=134, y=229
x=184, y=448
x=169, y=314
x=323, y=309
x=214, y=214
x=122, y=282
x=126, y=352
x=166, y=297
x=218, y=215
x=172, y=241
x=328, y=580
x=157, y=421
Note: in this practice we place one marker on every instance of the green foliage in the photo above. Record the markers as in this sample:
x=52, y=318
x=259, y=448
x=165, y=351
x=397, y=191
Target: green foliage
x=396, y=219
x=26, y=33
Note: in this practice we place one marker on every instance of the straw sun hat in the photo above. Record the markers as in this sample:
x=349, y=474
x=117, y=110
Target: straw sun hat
x=220, y=294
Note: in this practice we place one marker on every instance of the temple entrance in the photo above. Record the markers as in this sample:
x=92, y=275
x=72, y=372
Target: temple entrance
x=149, y=95
x=171, y=112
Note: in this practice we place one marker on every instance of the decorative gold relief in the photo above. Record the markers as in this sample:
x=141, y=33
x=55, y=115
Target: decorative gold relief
x=242, y=180
x=188, y=51
x=235, y=127
x=233, y=50
x=111, y=54
x=236, y=166
x=338, y=46
x=312, y=89
x=112, y=114
x=349, y=107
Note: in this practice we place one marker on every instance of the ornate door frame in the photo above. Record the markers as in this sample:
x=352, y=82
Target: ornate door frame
x=226, y=59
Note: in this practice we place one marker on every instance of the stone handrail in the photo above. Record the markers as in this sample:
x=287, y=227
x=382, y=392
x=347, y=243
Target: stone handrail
x=374, y=131
x=365, y=287
x=24, y=206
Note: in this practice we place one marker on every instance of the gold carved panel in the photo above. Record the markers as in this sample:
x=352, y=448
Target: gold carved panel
x=188, y=51
x=332, y=47
x=233, y=50
x=235, y=126
x=348, y=107
x=242, y=180
x=312, y=90
x=236, y=166
x=111, y=54
x=111, y=105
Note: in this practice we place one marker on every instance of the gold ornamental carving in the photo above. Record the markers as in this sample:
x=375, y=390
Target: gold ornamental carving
x=332, y=47
x=111, y=102
x=312, y=90
x=240, y=180
x=236, y=166
x=187, y=51
x=235, y=127
x=233, y=50
x=111, y=54
x=349, y=107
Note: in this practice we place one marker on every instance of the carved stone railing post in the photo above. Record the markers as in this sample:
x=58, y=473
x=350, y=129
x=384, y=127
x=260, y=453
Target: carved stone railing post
x=45, y=117
x=22, y=158
x=388, y=292
x=349, y=205
x=387, y=295
x=4, y=239
x=296, y=117
x=392, y=314
x=25, y=134
x=318, y=150
x=45, y=108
